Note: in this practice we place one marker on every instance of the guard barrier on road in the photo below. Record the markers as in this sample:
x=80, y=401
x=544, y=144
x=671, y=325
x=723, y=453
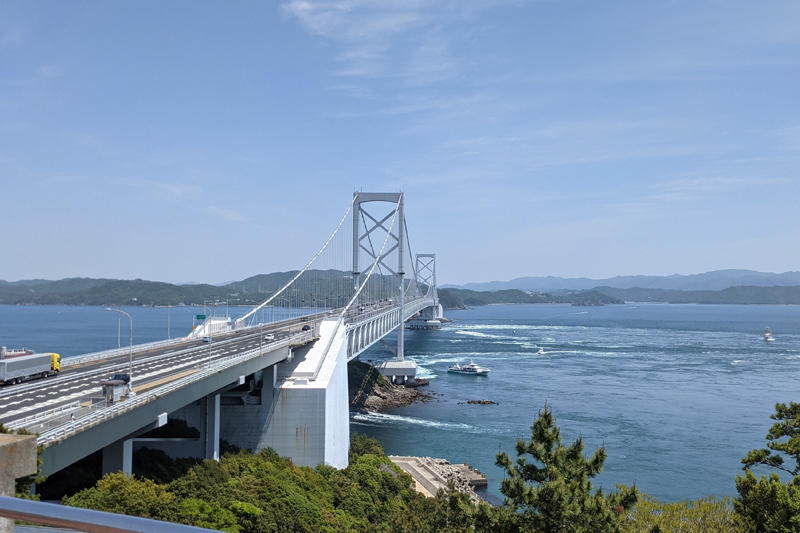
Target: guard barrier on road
x=56, y=434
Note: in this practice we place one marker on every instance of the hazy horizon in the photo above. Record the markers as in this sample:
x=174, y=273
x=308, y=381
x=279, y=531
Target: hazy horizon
x=441, y=283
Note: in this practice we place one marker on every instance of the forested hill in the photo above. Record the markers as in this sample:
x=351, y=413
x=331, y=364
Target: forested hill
x=731, y=295
x=461, y=298
x=253, y=290
x=86, y=291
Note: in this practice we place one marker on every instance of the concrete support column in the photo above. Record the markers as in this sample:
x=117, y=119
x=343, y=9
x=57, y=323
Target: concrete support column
x=118, y=456
x=17, y=459
x=212, y=427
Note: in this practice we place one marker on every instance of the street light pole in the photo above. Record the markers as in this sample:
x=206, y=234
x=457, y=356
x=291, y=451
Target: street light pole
x=169, y=313
x=120, y=312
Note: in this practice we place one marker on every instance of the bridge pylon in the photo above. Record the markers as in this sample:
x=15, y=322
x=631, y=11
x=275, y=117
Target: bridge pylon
x=425, y=272
x=398, y=369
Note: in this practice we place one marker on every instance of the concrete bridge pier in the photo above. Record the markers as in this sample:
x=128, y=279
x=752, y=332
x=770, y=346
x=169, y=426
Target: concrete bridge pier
x=118, y=456
x=246, y=415
x=203, y=414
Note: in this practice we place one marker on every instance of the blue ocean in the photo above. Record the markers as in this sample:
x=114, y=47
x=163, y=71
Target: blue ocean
x=677, y=393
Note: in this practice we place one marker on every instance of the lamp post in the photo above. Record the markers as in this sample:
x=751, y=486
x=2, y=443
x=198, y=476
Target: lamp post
x=288, y=302
x=169, y=317
x=120, y=312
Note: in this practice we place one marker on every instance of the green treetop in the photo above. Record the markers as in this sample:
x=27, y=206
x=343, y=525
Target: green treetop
x=553, y=493
x=767, y=504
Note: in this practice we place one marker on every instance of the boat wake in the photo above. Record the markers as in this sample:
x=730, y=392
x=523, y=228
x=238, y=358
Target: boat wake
x=383, y=419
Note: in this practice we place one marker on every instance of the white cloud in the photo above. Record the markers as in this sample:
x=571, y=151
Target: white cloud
x=715, y=183
x=790, y=136
x=228, y=214
x=174, y=189
x=395, y=38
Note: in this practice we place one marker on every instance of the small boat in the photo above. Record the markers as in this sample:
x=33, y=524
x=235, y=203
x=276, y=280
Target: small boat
x=768, y=335
x=471, y=368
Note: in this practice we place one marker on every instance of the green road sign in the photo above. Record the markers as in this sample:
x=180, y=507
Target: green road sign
x=200, y=317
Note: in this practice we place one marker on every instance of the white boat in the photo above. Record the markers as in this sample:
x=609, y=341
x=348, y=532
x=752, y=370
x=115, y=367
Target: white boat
x=768, y=335
x=471, y=368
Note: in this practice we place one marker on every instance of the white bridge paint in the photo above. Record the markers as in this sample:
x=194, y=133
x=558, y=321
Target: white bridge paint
x=304, y=410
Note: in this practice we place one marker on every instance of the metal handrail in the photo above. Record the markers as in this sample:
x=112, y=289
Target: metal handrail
x=29, y=420
x=50, y=436
x=67, y=362
x=28, y=387
x=88, y=520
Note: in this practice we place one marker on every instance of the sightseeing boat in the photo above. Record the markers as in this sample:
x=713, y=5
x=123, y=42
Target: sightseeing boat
x=471, y=368
x=768, y=335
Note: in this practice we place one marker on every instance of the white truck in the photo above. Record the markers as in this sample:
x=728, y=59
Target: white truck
x=24, y=367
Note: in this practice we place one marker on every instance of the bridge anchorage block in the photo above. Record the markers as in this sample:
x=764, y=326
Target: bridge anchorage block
x=398, y=372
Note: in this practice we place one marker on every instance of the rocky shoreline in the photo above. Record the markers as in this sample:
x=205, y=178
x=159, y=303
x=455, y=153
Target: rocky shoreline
x=370, y=392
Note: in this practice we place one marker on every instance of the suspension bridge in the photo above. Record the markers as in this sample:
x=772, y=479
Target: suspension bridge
x=276, y=377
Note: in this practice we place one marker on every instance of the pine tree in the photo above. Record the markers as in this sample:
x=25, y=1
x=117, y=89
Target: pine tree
x=553, y=493
x=768, y=504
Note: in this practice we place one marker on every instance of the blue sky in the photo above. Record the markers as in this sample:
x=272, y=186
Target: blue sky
x=210, y=141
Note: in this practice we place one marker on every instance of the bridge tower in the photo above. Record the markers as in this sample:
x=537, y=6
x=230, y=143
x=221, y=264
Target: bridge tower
x=425, y=272
x=398, y=369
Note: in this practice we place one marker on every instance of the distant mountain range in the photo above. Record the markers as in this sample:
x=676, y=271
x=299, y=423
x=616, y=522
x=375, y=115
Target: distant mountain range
x=138, y=292
x=88, y=291
x=709, y=281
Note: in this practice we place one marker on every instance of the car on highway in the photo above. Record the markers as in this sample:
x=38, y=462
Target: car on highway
x=206, y=339
x=306, y=327
x=269, y=337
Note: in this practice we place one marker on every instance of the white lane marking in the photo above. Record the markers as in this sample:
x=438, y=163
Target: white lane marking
x=54, y=401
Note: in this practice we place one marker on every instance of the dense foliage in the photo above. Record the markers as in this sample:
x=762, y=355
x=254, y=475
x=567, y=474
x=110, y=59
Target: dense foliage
x=553, y=492
x=547, y=487
x=742, y=295
x=460, y=298
x=246, y=492
x=706, y=515
x=767, y=503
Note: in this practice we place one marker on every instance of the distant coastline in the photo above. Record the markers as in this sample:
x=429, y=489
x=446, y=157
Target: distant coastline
x=745, y=295
x=256, y=289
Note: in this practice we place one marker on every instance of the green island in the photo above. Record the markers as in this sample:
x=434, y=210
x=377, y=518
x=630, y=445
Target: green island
x=751, y=295
x=462, y=298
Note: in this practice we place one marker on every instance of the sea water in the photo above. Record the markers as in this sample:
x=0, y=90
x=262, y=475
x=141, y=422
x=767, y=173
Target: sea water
x=677, y=393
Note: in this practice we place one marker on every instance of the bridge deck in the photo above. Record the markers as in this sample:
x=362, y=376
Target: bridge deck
x=150, y=369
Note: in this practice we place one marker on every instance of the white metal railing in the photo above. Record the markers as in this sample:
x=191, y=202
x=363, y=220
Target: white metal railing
x=51, y=436
x=39, y=417
x=36, y=385
x=77, y=519
x=82, y=410
x=106, y=354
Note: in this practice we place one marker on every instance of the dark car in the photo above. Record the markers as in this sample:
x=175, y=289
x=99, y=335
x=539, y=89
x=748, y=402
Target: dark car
x=125, y=378
x=306, y=327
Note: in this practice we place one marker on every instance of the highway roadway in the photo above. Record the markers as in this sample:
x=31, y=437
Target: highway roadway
x=150, y=369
